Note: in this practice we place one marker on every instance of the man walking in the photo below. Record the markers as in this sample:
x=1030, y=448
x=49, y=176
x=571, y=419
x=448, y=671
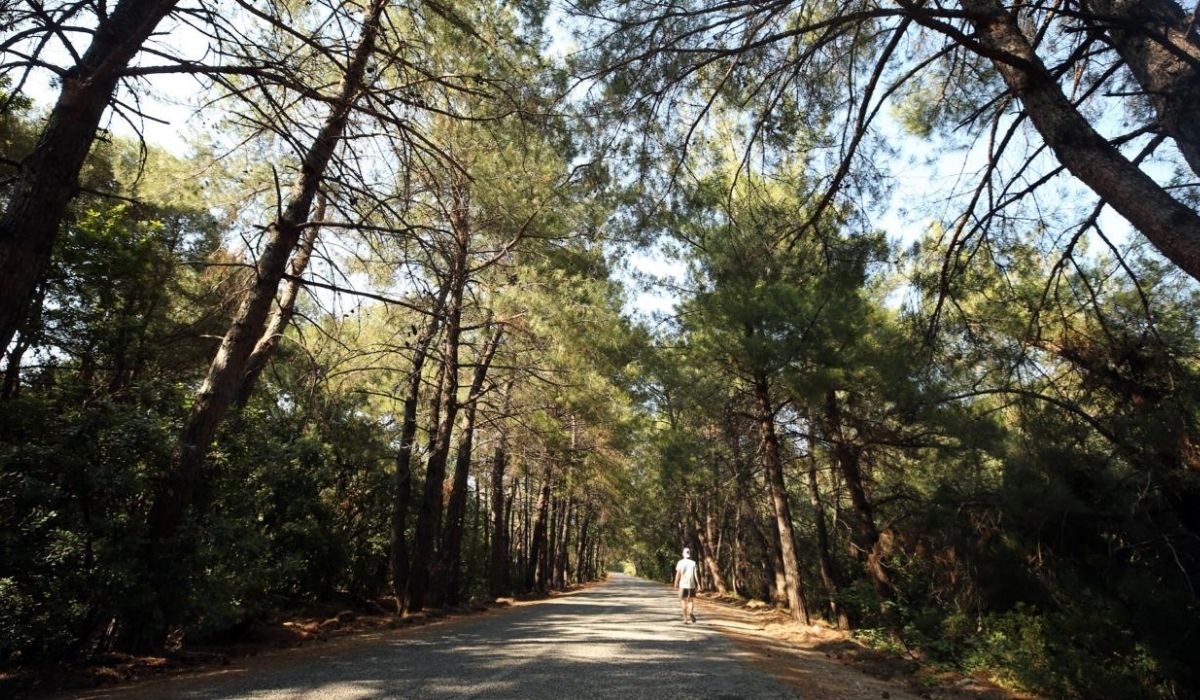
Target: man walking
x=685, y=581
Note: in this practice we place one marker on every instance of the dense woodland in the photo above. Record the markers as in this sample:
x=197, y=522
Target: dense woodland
x=369, y=333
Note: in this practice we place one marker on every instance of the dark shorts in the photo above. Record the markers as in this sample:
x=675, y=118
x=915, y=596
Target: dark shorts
x=686, y=593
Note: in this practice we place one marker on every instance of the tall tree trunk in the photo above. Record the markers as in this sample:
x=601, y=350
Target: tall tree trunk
x=435, y=407
x=225, y=373
x=1171, y=226
x=397, y=535
x=512, y=555
x=429, y=513
x=29, y=330
x=708, y=540
x=536, y=577
x=12, y=370
x=551, y=556
x=585, y=521
x=498, y=584
x=775, y=559
x=748, y=517
x=737, y=556
x=49, y=176
x=773, y=464
x=847, y=457
x=265, y=348
x=561, y=560
x=688, y=538
x=829, y=576
x=429, y=517
x=1154, y=38
x=527, y=531
x=449, y=565
x=402, y=476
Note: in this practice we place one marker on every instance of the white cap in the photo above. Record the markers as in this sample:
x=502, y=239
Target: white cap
x=687, y=552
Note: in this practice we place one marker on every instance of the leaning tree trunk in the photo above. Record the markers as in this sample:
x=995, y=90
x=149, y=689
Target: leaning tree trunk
x=30, y=332
x=1171, y=226
x=450, y=561
x=225, y=373
x=773, y=464
x=1154, y=39
x=49, y=177
x=774, y=560
x=265, y=348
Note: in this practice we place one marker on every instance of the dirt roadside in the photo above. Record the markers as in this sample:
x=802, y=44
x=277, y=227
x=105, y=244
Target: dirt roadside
x=822, y=663
x=827, y=664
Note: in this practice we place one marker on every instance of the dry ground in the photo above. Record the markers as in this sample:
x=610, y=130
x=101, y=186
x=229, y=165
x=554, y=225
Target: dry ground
x=636, y=619
x=829, y=663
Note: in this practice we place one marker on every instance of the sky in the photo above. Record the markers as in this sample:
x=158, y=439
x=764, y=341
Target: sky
x=172, y=103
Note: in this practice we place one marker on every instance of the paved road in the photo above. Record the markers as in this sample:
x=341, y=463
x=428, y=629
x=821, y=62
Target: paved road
x=622, y=640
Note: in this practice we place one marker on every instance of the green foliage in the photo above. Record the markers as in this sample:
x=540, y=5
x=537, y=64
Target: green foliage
x=296, y=516
x=73, y=478
x=1028, y=459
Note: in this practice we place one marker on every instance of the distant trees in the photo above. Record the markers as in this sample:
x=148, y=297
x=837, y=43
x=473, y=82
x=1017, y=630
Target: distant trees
x=932, y=409
x=367, y=342
x=947, y=488
x=395, y=444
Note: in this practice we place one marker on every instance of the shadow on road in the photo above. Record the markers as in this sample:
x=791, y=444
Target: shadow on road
x=620, y=640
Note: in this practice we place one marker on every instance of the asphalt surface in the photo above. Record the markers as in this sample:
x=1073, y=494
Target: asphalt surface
x=622, y=639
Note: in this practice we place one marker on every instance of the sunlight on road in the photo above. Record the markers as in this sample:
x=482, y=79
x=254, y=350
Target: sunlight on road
x=623, y=639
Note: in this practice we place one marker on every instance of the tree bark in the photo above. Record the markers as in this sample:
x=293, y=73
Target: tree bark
x=49, y=177
x=430, y=515
x=551, y=556
x=847, y=457
x=748, y=518
x=225, y=373
x=29, y=330
x=536, y=577
x=709, y=551
x=498, y=584
x=829, y=574
x=271, y=337
x=777, y=490
x=450, y=561
x=1172, y=227
x=1153, y=39
x=561, y=559
x=402, y=477
x=585, y=517
x=527, y=531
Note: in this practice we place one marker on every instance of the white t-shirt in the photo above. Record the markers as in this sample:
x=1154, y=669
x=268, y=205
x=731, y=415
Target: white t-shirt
x=686, y=568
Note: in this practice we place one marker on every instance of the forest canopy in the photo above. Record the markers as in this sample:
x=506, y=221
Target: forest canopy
x=374, y=327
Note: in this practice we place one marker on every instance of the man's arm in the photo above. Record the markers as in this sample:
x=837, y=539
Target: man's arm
x=678, y=573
